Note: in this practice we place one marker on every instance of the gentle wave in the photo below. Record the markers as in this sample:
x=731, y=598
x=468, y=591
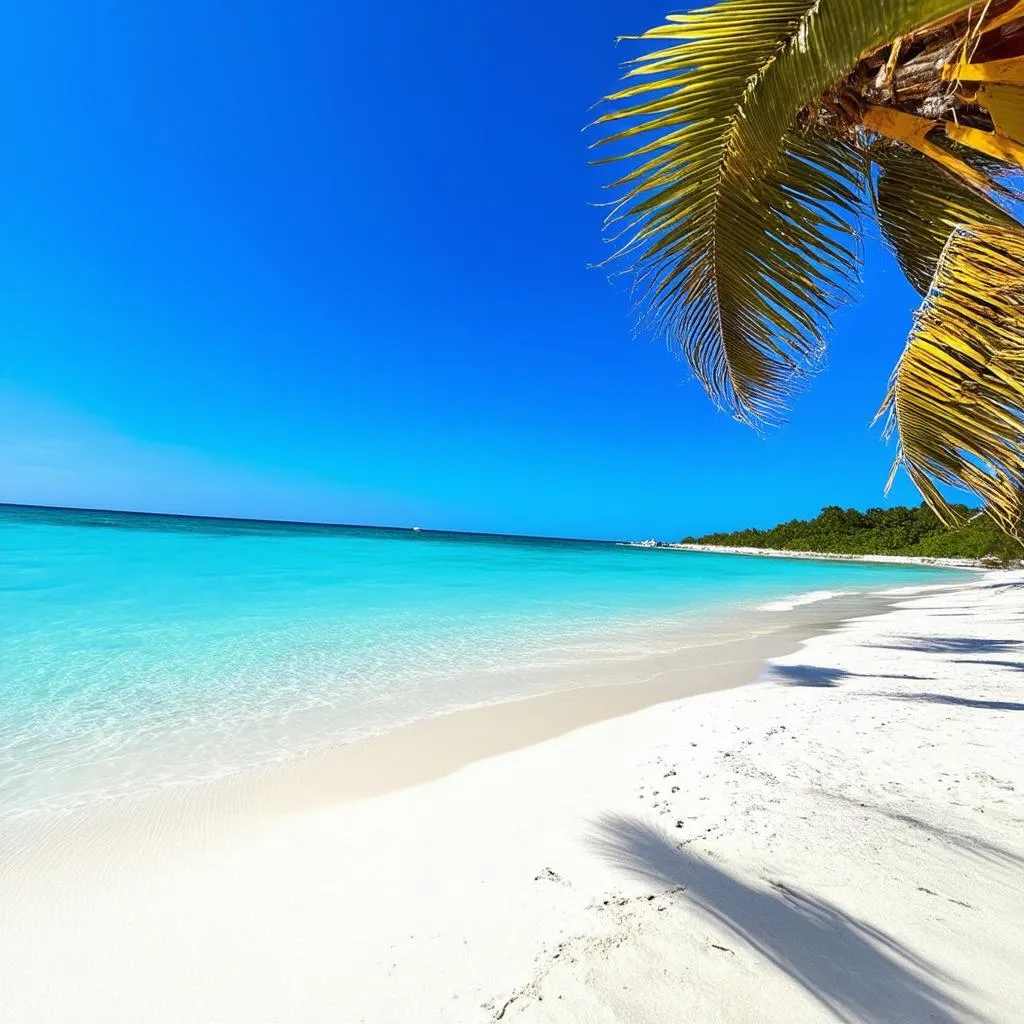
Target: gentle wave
x=787, y=604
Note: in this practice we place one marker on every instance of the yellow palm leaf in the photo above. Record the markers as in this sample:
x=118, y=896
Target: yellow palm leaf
x=957, y=394
x=1006, y=105
x=918, y=206
x=739, y=226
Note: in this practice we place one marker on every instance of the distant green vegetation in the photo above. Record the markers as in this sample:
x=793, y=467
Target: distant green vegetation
x=880, y=531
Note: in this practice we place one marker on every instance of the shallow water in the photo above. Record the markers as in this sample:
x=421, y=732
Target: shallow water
x=145, y=651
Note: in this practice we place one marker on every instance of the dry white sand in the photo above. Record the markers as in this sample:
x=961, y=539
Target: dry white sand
x=842, y=840
x=825, y=556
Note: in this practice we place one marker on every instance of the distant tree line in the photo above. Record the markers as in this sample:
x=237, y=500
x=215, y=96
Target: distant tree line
x=880, y=531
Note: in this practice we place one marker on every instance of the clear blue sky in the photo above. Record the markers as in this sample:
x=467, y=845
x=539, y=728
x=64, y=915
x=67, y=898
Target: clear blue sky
x=329, y=261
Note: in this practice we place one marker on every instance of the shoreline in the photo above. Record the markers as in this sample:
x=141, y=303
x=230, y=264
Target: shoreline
x=655, y=662
x=976, y=564
x=122, y=831
x=840, y=838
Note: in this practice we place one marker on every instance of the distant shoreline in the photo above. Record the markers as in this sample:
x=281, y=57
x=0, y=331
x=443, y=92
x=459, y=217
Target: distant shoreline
x=724, y=549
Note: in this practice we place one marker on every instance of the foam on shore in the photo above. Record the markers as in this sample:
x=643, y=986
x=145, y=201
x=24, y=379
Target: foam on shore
x=787, y=604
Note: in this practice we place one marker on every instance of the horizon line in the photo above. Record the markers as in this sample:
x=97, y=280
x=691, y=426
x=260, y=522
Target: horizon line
x=300, y=522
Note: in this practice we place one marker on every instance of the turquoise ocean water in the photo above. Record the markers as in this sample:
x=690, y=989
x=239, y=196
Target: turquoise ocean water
x=144, y=651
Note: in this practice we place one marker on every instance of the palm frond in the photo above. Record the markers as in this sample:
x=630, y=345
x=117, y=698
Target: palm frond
x=957, y=394
x=918, y=206
x=740, y=227
x=833, y=35
x=1006, y=105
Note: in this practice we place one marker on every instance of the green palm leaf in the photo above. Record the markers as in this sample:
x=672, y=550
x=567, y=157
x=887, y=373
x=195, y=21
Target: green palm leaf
x=957, y=395
x=741, y=229
x=919, y=205
x=831, y=37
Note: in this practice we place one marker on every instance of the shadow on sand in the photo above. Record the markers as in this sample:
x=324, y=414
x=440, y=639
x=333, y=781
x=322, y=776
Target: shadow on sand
x=952, y=645
x=856, y=971
x=962, y=841
x=817, y=675
x=1017, y=665
x=960, y=702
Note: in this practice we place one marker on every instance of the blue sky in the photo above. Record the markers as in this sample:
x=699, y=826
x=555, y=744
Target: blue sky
x=329, y=261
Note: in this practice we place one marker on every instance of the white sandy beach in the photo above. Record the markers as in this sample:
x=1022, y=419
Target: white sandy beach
x=827, y=556
x=843, y=839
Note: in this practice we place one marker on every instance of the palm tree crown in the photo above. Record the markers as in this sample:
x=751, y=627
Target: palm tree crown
x=759, y=135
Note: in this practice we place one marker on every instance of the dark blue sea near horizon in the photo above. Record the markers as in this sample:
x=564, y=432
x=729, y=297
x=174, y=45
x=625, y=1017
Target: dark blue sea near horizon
x=146, y=651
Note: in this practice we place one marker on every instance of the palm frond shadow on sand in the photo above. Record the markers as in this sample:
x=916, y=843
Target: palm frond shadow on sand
x=952, y=645
x=853, y=969
x=962, y=842
x=959, y=702
x=821, y=676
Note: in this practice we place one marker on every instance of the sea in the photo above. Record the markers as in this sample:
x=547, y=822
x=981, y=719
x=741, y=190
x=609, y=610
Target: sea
x=144, y=651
